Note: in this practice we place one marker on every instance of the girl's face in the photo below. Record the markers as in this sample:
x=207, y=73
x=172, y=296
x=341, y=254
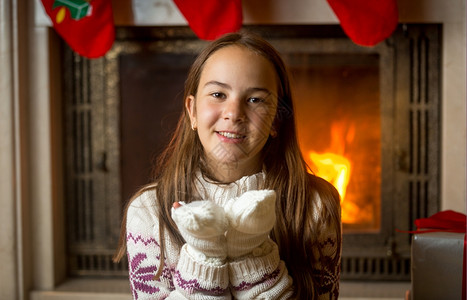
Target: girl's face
x=234, y=109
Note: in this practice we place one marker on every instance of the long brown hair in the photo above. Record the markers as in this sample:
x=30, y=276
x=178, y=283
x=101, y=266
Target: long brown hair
x=297, y=226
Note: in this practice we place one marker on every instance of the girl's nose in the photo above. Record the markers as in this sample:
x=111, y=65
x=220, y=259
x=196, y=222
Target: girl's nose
x=234, y=110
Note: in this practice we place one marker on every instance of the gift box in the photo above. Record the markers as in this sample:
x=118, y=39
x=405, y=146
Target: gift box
x=437, y=265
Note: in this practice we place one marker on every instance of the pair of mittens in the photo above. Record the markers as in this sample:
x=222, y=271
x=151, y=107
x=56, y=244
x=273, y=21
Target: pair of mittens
x=248, y=219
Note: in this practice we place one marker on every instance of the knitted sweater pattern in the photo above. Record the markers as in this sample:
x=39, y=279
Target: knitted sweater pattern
x=259, y=276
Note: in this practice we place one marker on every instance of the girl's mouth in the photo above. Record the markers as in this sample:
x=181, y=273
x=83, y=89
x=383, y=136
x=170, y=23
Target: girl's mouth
x=230, y=135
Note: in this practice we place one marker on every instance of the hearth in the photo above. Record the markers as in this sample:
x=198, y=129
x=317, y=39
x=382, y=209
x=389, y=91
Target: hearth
x=368, y=121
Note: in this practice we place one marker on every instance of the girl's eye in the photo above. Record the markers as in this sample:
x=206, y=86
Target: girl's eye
x=255, y=100
x=218, y=95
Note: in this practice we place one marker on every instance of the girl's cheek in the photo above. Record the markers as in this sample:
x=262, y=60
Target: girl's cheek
x=208, y=113
x=262, y=117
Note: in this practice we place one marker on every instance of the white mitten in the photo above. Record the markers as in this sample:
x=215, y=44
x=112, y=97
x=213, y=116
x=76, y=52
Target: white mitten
x=251, y=217
x=202, y=224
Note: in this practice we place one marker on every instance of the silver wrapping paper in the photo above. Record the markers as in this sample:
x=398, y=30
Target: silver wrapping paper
x=437, y=260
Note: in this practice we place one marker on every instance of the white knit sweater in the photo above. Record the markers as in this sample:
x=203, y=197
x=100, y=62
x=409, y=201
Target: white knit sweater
x=251, y=277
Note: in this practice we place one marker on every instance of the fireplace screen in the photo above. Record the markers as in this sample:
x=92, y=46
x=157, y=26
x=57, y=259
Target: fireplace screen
x=368, y=122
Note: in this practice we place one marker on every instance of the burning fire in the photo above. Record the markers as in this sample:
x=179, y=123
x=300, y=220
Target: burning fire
x=336, y=168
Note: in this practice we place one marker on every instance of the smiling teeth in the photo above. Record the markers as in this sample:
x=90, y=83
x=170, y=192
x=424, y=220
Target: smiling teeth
x=230, y=135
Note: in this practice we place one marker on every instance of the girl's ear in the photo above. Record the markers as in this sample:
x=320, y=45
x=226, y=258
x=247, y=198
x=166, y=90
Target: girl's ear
x=191, y=109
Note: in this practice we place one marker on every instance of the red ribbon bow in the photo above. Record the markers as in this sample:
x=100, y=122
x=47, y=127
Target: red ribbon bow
x=447, y=221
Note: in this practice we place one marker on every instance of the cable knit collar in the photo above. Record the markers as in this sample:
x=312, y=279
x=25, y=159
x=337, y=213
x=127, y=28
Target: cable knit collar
x=219, y=192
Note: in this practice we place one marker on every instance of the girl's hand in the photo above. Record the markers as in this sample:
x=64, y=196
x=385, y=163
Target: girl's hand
x=251, y=217
x=202, y=224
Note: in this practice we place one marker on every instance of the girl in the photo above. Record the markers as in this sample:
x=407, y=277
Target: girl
x=233, y=212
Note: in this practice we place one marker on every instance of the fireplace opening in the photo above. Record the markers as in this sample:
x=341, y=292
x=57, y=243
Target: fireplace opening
x=367, y=117
x=339, y=128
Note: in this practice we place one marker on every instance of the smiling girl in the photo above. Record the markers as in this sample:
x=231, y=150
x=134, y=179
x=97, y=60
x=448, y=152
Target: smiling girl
x=233, y=212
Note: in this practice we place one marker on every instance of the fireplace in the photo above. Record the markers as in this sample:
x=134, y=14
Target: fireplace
x=368, y=121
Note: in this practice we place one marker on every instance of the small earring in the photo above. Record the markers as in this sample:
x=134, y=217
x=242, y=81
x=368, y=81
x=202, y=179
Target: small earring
x=193, y=127
x=273, y=133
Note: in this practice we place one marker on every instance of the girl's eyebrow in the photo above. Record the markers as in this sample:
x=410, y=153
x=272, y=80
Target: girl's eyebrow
x=225, y=85
x=221, y=84
x=259, y=89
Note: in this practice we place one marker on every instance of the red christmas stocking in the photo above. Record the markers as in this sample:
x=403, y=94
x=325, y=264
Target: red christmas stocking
x=210, y=19
x=86, y=26
x=366, y=22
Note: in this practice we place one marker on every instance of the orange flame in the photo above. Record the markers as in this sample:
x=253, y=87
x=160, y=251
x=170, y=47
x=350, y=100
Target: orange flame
x=336, y=168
